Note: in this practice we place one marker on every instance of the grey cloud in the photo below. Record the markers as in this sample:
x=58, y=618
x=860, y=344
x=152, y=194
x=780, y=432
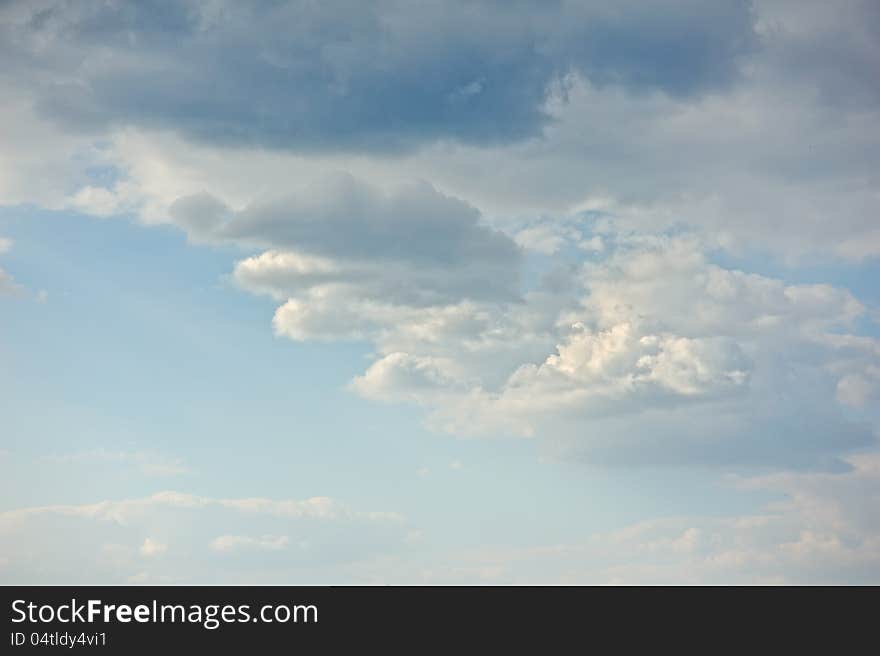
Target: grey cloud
x=833, y=47
x=354, y=75
x=680, y=47
x=794, y=434
x=794, y=140
x=412, y=245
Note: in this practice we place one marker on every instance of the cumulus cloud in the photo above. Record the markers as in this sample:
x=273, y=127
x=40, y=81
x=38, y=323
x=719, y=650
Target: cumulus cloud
x=348, y=260
x=655, y=354
x=178, y=537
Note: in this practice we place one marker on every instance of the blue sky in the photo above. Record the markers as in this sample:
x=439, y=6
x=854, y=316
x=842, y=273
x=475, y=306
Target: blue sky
x=494, y=293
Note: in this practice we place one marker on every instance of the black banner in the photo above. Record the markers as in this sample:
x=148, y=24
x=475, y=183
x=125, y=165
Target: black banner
x=417, y=619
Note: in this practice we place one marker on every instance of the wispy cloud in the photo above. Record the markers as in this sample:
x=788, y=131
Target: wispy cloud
x=149, y=464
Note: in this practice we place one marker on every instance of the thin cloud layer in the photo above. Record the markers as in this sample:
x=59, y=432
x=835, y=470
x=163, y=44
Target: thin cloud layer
x=173, y=537
x=822, y=530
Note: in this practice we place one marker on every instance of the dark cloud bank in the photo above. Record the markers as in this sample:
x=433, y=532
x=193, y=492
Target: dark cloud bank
x=357, y=75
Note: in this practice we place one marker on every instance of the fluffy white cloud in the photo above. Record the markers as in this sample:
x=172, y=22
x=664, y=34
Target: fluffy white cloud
x=151, y=548
x=651, y=353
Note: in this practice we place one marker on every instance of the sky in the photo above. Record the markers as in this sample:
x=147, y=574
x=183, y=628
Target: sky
x=460, y=291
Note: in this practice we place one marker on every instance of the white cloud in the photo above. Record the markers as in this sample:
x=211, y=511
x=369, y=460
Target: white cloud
x=97, y=201
x=239, y=542
x=856, y=389
x=820, y=527
x=650, y=342
x=149, y=464
x=8, y=285
x=152, y=547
